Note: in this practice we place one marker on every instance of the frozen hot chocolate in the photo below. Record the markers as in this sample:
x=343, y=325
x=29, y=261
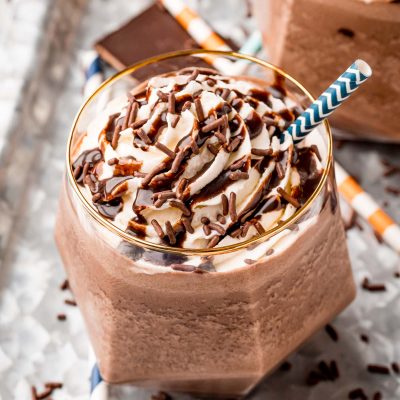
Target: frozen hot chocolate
x=197, y=160
x=202, y=246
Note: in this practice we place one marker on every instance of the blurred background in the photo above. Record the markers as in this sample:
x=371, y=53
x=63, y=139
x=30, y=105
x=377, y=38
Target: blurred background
x=46, y=48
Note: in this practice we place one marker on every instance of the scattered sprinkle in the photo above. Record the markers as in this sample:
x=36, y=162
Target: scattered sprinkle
x=332, y=333
x=395, y=367
x=378, y=369
x=357, y=394
x=61, y=317
x=286, y=366
x=372, y=287
x=364, y=338
x=64, y=285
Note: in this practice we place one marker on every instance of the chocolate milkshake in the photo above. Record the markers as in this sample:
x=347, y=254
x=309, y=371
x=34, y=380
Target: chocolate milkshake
x=202, y=246
x=324, y=37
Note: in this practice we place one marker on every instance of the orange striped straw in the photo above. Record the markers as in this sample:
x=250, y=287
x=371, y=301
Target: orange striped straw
x=367, y=207
x=201, y=32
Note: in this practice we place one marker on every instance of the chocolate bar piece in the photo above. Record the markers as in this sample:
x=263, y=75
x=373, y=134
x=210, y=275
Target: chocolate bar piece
x=152, y=32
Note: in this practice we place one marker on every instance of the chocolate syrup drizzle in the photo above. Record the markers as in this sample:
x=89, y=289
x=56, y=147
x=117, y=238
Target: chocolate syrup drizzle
x=160, y=185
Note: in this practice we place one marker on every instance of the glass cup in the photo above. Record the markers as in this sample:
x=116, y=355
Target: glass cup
x=217, y=333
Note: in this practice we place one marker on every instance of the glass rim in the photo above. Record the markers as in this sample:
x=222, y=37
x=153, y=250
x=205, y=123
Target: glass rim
x=180, y=250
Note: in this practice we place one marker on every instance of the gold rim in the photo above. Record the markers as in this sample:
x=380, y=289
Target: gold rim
x=186, y=251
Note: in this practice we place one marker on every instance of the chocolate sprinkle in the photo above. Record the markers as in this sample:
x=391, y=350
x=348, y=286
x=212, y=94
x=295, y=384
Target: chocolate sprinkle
x=70, y=302
x=232, y=207
x=261, y=152
x=77, y=172
x=162, y=96
x=177, y=161
x=171, y=103
x=165, y=149
x=126, y=119
x=364, y=338
x=45, y=394
x=180, y=188
x=139, y=124
x=64, y=285
x=183, y=267
x=288, y=197
x=269, y=252
x=133, y=114
x=186, y=105
x=392, y=190
x=193, y=75
x=217, y=228
x=225, y=93
x=96, y=197
x=331, y=331
x=166, y=194
x=285, y=366
x=395, y=367
x=213, y=148
x=249, y=261
x=377, y=287
x=199, y=110
x=213, y=125
x=146, y=180
x=221, y=137
x=157, y=228
x=206, y=229
x=356, y=394
x=186, y=223
x=61, y=317
x=324, y=372
x=142, y=135
x=179, y=204
x=205, y=220
x=213, y=242
x=234, y=144
x=170, y=232
x=113, y=161
x=116, y=135
x=378, y=369
x=259, y=227
x=280, y=171
x=237, y=175
x=175, y=119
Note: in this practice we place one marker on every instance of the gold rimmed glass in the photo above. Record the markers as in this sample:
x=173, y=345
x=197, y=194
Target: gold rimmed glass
x=138, y=72
x=214, y=333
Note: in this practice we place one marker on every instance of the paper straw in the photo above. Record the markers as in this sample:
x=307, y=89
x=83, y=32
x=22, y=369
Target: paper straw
x=367, y=207
x=329, y=100
x=201, y=32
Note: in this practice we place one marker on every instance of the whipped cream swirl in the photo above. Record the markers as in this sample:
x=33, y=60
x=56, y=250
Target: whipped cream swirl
x=194, y=159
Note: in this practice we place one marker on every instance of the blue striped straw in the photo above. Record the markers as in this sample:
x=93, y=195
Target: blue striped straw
x=333, y=97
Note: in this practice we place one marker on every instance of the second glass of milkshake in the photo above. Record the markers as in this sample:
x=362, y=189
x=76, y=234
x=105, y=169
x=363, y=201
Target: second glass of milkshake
x=202, y=245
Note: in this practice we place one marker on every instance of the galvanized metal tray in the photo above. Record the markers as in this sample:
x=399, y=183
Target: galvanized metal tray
x=36, y=347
